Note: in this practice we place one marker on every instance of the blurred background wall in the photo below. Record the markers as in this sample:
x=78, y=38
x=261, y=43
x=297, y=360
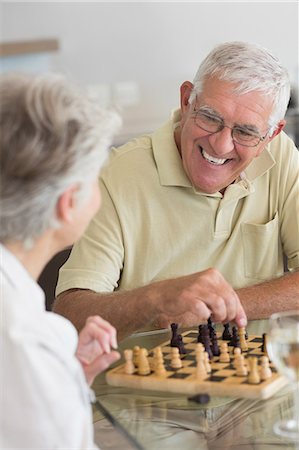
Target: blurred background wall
x=136, y=54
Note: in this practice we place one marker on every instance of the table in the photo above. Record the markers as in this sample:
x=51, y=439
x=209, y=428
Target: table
x=158, y=420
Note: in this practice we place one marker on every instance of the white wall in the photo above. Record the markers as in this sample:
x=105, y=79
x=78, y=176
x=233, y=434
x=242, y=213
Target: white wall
x=156, y=45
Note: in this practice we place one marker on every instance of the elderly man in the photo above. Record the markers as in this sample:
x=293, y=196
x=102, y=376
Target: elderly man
x=215, y=190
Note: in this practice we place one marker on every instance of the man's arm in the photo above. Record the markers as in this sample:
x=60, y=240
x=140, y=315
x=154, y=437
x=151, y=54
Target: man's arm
x=185, y=300
x=279, y=294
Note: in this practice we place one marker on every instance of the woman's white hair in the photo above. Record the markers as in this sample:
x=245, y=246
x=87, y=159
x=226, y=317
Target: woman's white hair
x=52, y=137
x=251, y=68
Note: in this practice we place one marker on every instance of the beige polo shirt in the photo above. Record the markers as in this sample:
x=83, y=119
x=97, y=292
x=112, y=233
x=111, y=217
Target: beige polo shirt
x=154, y=225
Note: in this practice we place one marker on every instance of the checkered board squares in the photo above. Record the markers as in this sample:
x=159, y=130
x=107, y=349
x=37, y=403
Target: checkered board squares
x=222, y=381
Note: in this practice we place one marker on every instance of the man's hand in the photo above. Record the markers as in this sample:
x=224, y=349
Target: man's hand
x=194, y=298
x=96, y=340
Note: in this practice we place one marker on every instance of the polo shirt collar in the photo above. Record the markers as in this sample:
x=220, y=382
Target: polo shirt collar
x=166, y=154
x=169, y=162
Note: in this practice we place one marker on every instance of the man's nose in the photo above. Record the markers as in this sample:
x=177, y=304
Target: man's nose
x=222, y=141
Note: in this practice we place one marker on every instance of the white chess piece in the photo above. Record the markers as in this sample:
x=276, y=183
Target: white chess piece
x=129, y=365
x=176, y=362
x=265, y=371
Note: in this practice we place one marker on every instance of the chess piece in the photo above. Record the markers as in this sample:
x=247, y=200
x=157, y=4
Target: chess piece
x=159, y=367
x=206, y=340
x=241, y=369
x=235, y=341
x=253, y=377
x=176, y=362
x=214, y=345
x=180, y=345
x=226, y=335
x=143, y=363
x=265, y=371
x=129, y=365
x=136, y=355
x=211, y=327
x=243, y=343
x=199, y=351
x=174, y=337
x=201, y=372
x=224, y=355
x=199, y=337
x=236, y=355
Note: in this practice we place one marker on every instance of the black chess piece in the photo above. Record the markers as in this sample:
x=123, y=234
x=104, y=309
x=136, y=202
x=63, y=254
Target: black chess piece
x=206, y=341
x=211, y=327
x=181, y=345
x=199, y=337
x=235, y=341
x=174, y=337
x=226, y=335
x=214, y=346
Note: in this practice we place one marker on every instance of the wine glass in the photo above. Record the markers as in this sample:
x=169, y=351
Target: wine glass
x=283, y=349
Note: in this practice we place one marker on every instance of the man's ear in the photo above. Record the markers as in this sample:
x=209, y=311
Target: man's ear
x=66, y=205
x=185, y=91
x=279, y=128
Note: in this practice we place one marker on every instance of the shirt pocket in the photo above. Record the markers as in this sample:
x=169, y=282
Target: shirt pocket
x=262, y=250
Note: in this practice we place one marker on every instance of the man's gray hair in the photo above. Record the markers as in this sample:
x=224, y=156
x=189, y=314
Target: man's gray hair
x=52, y=137
x=251, y=68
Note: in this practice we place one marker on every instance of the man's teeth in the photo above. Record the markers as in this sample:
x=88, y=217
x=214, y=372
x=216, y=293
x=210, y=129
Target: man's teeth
x=211, y=159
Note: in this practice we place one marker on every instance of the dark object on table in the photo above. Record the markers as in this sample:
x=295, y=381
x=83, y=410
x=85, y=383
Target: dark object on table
x=202, y=399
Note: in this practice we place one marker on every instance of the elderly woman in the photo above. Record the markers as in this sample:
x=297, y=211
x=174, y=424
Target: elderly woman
x=52, y=145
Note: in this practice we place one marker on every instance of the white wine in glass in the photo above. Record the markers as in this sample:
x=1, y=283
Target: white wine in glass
x=283, y=349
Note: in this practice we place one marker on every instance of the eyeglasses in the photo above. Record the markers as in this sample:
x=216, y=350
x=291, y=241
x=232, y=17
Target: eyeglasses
x=213, y=124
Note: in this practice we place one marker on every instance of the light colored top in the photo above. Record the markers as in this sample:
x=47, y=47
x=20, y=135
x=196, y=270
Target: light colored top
x=154, y=225
x=44, y=397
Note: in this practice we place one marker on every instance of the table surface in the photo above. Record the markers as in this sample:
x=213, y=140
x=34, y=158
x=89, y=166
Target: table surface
x=158, y=420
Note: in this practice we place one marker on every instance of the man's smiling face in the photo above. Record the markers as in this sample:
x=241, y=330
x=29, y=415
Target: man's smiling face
x=213, y=161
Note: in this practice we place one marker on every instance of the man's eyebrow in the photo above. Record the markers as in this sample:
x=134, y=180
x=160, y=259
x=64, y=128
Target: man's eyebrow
x=209, y=110
x=248, y=127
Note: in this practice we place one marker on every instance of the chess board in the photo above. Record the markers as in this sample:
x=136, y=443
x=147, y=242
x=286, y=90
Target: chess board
x=222, y=381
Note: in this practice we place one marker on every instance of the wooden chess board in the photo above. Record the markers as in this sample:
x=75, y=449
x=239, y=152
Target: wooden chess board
x=222, y=381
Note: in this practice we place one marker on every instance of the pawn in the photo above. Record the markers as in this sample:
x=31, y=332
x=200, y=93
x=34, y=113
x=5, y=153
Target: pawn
x=243, y=343
x=265, y=371
x=199, y=336
x=176, y=362
x=214, y=346
x=201, y=372
x=136, y=355
x=224, y=355
x=236, y=354
x=143, y=364
x=129, y=365
x=181, y=345
x=160, y=369
x=235, y=342
x=241, y=369
x=254, y=376
x=158, y=357
x=199, y=352
x=226, y=335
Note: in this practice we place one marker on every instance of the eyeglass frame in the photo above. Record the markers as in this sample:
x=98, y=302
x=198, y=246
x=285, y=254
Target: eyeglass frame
x=261, y=138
